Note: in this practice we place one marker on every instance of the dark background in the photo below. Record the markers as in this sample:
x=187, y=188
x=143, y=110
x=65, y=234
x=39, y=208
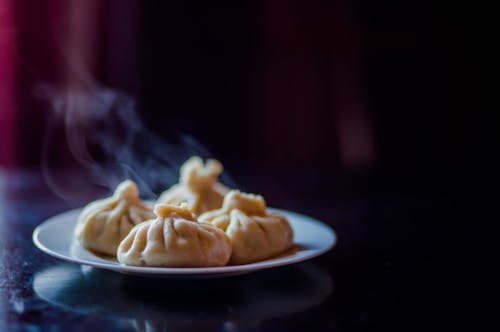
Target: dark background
x=356, y=112
x=350, y=84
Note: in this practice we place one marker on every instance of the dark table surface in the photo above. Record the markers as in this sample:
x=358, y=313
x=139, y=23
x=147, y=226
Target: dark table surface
x=395, y=267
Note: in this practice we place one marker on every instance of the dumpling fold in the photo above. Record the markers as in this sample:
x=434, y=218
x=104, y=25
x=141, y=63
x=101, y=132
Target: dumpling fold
x=175, y=239
x=198, y=186
x=103, y=224
x=256, y=234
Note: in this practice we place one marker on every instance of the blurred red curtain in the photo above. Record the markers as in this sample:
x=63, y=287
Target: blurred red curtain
x=7, y=84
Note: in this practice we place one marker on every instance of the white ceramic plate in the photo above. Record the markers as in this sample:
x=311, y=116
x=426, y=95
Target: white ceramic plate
x=55, y=237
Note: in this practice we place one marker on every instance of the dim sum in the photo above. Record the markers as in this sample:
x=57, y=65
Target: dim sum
x=174, y=239
x=104, y=223
x=255, y=233
x=198, y=186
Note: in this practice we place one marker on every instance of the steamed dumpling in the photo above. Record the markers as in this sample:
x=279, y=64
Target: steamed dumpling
x=104, y=223
x=255, y=233
x=176, y=239
x=198, y=186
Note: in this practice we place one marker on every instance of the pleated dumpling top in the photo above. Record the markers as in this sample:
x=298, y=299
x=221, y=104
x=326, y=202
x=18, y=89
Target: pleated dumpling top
x=198, y=186
x=175, y=239
x=256, y=234
x=103, y=224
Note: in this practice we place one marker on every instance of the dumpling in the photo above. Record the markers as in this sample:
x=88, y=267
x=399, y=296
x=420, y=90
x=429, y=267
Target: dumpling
x=198, y=186
x=175, y=239
x=255, y=233
x=104, y=223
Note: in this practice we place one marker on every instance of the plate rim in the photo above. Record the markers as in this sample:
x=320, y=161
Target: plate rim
x=146, y=270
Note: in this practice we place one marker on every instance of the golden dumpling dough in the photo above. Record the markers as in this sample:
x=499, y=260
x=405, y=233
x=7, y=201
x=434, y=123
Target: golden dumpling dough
x=175, y=239
x=198, y=186
x=104, y=223
x=255, y=233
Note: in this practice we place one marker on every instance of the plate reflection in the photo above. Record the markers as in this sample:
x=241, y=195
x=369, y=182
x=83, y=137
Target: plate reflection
x=161, y=304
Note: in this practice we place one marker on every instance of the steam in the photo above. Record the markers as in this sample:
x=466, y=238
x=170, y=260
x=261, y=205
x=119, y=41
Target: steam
x=109, y=143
